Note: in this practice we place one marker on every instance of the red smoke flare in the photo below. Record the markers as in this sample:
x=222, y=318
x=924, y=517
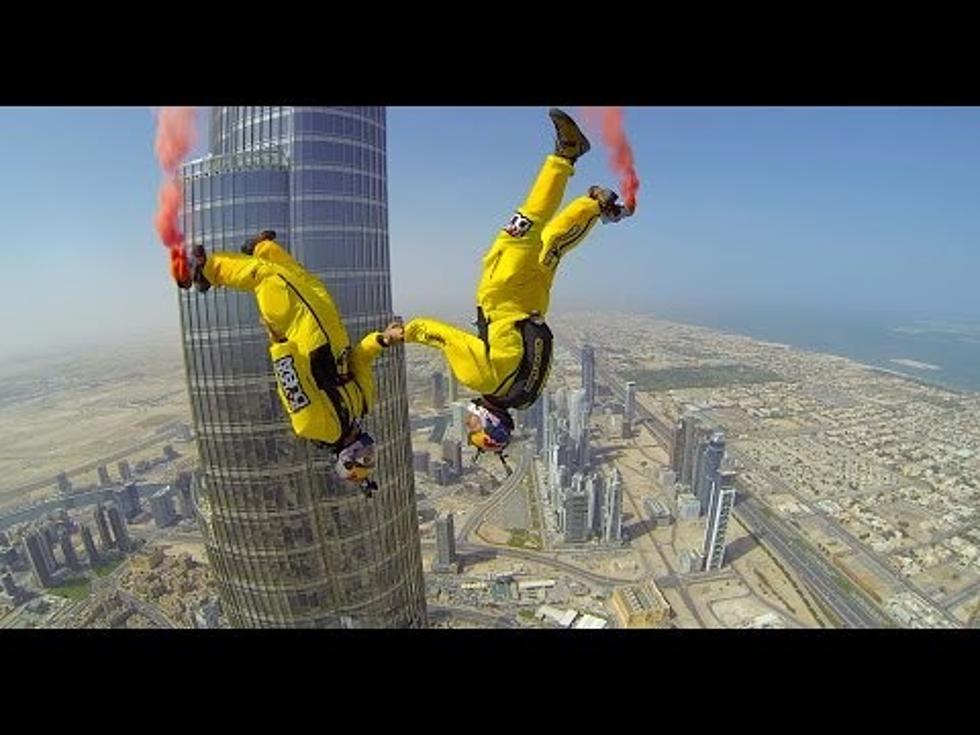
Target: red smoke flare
x=176, y=134
x=620, y=153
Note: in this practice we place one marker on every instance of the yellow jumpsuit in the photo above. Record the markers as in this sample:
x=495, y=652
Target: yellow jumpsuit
x=296, y=305
x=518, y=271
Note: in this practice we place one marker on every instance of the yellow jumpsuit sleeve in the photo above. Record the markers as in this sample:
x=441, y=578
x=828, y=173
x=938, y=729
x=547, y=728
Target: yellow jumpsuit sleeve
x=566, y=230
x=274, y=252
x=362, y=357
x=466, y=353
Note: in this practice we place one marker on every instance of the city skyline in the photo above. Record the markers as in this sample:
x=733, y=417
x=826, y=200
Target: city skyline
x=862, y=211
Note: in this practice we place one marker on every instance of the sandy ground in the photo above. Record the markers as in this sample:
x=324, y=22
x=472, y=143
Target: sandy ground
x=78, y=408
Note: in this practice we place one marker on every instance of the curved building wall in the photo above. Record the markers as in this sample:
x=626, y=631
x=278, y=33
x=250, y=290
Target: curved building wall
x=291, y=546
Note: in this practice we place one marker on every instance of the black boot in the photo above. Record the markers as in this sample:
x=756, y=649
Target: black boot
x=570, y=142
x=198, y=259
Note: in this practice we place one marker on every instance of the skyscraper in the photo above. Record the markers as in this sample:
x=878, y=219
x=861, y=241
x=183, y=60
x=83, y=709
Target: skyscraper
x=125, y=472
x=90, y=549
x=575, y=516
x=103, y=475
x=445, y=560
x=290, y=545
x=707, y=469
x=38, y=561
x=614, y=509
x=438, y=391
x=162, y=507
x=459, y=422
x=722, y=500
x=68, y=549
x=595, y=487
x=630, y=409
x=452, y=453
x=588, y=375
x=105, y=538
x=453, y=387
x=129, y=501
x=64, y=484
x=185, y=496
x=118, y=523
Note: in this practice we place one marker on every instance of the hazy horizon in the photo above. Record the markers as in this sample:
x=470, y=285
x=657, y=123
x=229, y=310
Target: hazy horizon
x=866, y=213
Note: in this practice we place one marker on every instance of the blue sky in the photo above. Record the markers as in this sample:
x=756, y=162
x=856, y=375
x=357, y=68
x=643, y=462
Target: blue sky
x=869, y=210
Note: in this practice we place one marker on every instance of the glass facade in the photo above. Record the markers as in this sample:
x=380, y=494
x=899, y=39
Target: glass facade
x=291, y=546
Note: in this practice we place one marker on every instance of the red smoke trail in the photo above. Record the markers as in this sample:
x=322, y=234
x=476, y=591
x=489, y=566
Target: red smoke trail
x=176, y=135
x=610, y=120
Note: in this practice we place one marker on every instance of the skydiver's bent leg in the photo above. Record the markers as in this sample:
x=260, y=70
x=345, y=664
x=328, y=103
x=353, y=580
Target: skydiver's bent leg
x=542, y=200
x=466, y=354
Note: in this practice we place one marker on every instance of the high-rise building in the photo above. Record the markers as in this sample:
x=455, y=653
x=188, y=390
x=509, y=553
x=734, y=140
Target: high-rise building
x=290, y=545
x=722, y=501
x=89, y=543
x=169, y=453
x=459, y=421
x=105, y=538
x=37, y=559
x=64, y=484
x=547, y=425
x=588, y=375
x=125, y=471
x=711, y=456
x=128, y=499
x=445, y=560
x=68, y=550
x=630, y=409
x=595, y=489
x=49, y=540
x=438, y=391
x=10, y=587
x=577, y=414
x=117, y=521
x=162, y=508
x=686, y=446
x=453, y=385
x=575, y=521
x=103, y=475
x=452, y=453
x=613, y=532
x=695, y=451
x=185, y=495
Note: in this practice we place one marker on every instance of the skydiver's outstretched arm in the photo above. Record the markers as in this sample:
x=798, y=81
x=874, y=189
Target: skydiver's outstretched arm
x=567, y=229
x=248, y=273
x=466, y=354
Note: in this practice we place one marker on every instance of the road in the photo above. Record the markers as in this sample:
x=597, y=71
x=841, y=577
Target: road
x=488, y=620
x=147, y=610
x=852, y=607
x=502, y=493
x=881, y=567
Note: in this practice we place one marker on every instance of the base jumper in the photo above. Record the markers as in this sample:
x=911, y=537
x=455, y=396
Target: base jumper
x=325, y=383
x=508, y=362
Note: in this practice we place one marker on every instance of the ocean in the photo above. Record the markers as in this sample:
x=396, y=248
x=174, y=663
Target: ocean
x=941, y=352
